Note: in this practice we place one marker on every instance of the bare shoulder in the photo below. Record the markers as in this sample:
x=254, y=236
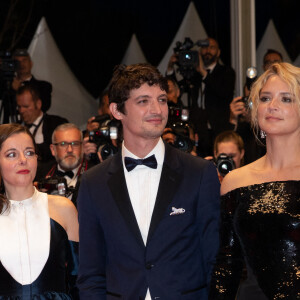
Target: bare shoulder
x=237, y=178
x=63, y=211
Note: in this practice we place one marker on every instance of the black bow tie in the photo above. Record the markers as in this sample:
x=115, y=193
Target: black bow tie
x=30, y=125
x=63, y=174
x=131, y=163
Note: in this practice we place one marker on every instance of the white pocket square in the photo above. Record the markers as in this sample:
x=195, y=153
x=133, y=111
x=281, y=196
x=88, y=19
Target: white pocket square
x=177, y=211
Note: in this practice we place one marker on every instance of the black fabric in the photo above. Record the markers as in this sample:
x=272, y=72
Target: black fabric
x=260, y=228
x=218, y=93
x=51, y=283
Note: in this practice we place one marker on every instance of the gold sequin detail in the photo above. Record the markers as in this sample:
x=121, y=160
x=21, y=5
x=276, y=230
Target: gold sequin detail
x=272, y=201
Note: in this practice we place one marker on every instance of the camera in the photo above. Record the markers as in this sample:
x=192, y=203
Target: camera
x=224, y=164
x=102, y=137
x=8, y=66
x=188, y=59
x=55, y=185
x=177, y=114
x=246, y=102
x=179, y=136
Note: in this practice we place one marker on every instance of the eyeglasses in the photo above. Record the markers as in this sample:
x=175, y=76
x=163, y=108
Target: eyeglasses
x=65, y=145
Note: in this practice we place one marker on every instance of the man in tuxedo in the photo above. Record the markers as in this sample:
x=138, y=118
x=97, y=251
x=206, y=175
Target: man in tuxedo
x=68, y=149
x=40, y=124
x=24, y=76
x=148, y=215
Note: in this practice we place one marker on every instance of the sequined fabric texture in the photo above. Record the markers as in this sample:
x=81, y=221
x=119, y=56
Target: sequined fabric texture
x=260, y=228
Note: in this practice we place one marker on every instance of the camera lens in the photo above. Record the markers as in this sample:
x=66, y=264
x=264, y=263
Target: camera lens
x=225, y=164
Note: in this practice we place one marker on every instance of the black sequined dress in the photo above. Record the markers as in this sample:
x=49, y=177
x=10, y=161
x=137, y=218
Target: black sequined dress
x=51, y=283
x=260, y=229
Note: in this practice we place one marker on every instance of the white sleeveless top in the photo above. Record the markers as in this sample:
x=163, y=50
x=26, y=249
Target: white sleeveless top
x=25, y=237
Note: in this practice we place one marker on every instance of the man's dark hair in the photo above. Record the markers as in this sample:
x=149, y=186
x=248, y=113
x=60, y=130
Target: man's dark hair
x=173, y=80
x=101, y=98
x=271, y=51
x=32, y=89
x=127, y=78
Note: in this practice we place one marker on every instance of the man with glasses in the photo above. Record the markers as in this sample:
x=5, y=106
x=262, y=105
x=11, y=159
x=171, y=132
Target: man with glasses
x=40, y=124
x=68, y=150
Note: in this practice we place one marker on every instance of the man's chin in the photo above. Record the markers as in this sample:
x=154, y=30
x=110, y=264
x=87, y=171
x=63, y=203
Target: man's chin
x=69, y=164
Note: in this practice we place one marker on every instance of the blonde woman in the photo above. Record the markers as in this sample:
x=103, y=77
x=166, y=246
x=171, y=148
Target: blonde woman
x=260, y=204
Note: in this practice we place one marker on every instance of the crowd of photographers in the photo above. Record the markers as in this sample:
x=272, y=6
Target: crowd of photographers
x=204, y=119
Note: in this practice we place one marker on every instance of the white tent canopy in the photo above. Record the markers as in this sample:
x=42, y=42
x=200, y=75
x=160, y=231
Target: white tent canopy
x=270, y=40
x=297, y=61
x=134, y=53
x=69, y=98
x=191, y=27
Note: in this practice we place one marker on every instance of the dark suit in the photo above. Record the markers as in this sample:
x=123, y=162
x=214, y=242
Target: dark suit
x=218, y=93
x=45, y=89
x=176, y=262
x=49, y=170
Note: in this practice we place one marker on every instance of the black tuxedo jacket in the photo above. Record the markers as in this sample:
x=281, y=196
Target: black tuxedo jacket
x=177, y=260
x=219, y=88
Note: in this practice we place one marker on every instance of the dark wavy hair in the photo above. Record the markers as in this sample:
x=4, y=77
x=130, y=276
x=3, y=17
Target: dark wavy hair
x=127, y=78
x=6, y=131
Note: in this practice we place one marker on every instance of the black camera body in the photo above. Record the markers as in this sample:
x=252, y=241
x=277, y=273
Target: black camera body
x=8, y=66
x=181, y=133
x=55, y=185
x=102, y=137
x=224, y=164
x=188, y=59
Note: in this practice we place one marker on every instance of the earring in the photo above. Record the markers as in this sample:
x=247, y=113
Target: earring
x=262, y=134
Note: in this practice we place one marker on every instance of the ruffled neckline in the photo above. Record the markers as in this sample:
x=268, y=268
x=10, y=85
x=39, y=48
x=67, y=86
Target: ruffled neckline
x=26, y=202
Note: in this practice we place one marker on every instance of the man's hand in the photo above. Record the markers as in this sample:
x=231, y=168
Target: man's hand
x=91, y=126
x=237, y=108
x=172, y=61
x=16, y=83
x=200, y=68
x=88, y=148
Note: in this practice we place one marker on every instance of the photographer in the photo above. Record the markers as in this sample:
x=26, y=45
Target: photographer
x=181, y=136
x=228, y=152
x=24, y=76
x=210, y=90
x=103, y=134
x=68, y=151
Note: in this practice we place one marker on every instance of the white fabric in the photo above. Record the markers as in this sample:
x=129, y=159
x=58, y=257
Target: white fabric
x=39, y=138
x=142, y=183
x=70, y=181
x=134, y=53
x=270, y=40
x=201, y=97
x=69, y=97
x=25, y=237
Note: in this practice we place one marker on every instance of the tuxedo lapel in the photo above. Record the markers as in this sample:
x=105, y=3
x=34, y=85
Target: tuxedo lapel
x=118, y=188
x=168, y=185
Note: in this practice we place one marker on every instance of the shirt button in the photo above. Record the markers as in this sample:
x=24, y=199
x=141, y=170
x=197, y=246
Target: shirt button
x=149, y=266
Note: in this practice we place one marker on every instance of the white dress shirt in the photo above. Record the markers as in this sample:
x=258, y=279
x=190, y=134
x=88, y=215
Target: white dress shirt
x=142, y=184
x=39, y=138
x=25, y=237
